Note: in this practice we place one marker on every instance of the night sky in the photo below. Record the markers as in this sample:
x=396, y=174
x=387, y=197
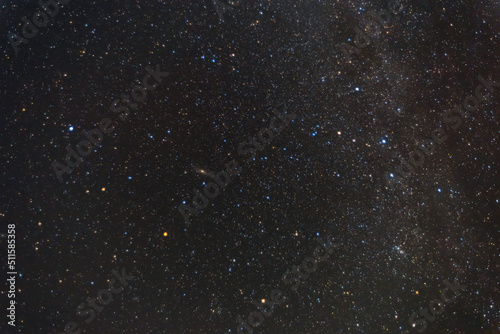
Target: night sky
x=335, y=169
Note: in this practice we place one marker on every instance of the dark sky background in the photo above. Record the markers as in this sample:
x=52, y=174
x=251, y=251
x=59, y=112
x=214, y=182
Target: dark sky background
x=325, y=174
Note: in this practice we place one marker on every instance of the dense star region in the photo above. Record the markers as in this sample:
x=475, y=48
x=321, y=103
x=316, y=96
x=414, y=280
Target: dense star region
x=250, y=166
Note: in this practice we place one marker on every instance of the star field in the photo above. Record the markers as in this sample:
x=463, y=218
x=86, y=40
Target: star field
x=342, y=106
